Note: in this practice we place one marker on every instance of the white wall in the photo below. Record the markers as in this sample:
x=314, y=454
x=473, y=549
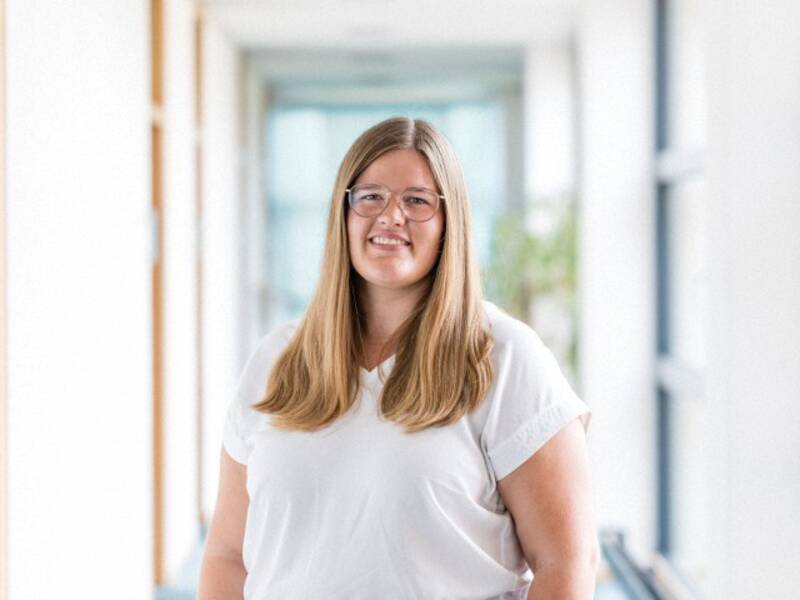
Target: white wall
x=223, y=350
x=616, y=262
x=549, y=119
x=753, y=170
x=549, y=172
x=255, y=212
x=79, y=320
x=180, y=289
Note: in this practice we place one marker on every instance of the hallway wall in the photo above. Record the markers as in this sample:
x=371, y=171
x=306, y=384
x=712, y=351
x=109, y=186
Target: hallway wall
x=79, y=320
x=616, y=257
x=754, y=330
x=223, y=288
x=181, y=500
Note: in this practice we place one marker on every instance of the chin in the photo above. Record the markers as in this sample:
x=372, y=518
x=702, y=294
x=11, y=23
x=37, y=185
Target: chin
x=390, y=276
x=388, y=280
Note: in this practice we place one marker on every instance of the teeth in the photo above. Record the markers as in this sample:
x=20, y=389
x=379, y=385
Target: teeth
x=389, y=241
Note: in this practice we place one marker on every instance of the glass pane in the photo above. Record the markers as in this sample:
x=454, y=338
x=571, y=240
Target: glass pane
x=304, y=148
x=690, y=515
x=687, y=271
x=686, y=87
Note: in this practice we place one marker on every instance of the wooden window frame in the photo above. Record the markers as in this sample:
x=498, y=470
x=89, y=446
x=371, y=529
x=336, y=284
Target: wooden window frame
x=3, y=313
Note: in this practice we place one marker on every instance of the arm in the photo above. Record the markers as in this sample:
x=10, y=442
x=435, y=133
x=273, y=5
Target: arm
x=222, y=573
x=549, y=498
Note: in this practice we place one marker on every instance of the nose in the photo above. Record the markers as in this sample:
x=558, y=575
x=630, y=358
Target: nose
x=394, y=209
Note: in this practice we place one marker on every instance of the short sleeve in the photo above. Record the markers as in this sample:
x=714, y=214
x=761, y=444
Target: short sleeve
x=240, y=419
x=233, y=439
x=532, y=399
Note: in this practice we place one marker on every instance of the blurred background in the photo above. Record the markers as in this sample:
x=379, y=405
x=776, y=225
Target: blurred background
x=166, y=172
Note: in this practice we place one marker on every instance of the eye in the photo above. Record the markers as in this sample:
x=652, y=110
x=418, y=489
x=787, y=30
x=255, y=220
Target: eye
x=416, y=200
x=371, y=197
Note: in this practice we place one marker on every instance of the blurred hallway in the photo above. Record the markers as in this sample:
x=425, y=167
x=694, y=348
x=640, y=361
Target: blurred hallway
x=166, y=169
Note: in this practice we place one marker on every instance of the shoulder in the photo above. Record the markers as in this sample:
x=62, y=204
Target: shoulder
x=512, y=337
x=242, y=420
x=521, y=360
x=277, y=338
x=530, y=398
x=253, y=379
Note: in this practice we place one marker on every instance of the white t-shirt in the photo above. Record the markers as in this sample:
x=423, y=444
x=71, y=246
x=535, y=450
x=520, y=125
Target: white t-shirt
x=362, y=510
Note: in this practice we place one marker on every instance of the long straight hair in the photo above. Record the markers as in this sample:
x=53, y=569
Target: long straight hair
x=443, y=366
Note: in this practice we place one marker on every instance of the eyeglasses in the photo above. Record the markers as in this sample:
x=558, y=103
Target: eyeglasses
x=417, y=204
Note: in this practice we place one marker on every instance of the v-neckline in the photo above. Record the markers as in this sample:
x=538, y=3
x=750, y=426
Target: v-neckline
x=374, y=369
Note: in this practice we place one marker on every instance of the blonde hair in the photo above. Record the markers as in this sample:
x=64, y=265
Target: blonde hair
x=443, y=367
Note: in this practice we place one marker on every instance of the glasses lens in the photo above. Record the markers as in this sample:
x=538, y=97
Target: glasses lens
x=420, y=205
x=368, y=201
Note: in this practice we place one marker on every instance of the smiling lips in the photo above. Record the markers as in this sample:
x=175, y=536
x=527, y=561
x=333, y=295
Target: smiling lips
x=384, y=241
x=389, y=240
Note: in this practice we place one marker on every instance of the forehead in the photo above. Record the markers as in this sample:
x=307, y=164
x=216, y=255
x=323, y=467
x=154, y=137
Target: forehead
x=399, y=169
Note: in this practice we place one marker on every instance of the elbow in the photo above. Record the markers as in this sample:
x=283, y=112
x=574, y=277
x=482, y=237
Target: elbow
x=589, y=561
x=594, y=558
x=584, y=563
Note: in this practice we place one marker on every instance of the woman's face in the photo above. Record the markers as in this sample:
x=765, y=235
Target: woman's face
x=395, y=266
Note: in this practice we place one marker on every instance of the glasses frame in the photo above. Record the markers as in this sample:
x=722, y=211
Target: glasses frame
x=439, y=199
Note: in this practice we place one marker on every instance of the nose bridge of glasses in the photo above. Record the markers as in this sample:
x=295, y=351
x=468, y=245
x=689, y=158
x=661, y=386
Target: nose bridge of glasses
x=387, y=194
x=398, y=196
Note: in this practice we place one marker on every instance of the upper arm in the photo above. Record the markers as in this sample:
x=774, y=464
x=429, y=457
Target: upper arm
x=226, y=531
x=549, y=498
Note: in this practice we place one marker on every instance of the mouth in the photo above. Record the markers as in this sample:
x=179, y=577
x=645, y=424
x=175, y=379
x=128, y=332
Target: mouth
x=387, y=242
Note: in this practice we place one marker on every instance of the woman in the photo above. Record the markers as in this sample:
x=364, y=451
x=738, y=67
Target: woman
x=405, y=439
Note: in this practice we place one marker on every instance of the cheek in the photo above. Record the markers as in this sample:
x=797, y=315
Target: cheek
x=432, y=239
x=437, y=232
x=357, y=229
x=352, y=231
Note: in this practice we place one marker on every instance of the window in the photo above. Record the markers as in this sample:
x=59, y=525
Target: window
x=305, y=145
x=682, y=289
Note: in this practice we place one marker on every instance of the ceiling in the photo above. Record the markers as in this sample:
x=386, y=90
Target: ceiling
x=390, y=24
x=373, y=51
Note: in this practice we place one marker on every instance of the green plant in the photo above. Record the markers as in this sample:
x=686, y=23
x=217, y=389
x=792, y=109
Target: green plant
x=524, y=265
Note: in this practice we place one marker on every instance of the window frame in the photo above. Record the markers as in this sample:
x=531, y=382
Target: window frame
x=675, y=381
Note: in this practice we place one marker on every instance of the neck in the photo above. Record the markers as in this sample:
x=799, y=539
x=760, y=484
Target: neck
x=385, y=309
